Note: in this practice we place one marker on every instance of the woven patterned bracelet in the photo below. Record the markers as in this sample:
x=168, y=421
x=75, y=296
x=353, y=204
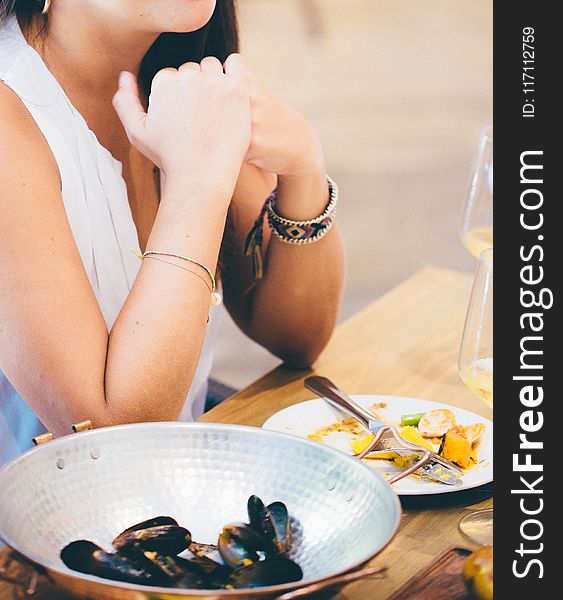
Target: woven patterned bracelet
x=286, y=230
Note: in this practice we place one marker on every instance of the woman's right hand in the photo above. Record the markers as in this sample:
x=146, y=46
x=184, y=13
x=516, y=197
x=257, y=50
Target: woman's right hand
x=197, y=122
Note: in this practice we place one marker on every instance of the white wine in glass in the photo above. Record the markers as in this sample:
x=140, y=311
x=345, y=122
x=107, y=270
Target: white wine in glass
x=476, y=371
x=478, y=239
x=477, y=222
x=478, y=377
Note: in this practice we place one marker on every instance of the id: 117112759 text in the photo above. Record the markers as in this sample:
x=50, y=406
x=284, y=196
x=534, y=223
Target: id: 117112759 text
x=528, y=68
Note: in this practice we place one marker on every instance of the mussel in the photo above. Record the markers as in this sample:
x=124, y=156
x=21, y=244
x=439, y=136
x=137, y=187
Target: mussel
x=270, y=521
x=179, y=572
x=280, y=519
x=168, y=539
x=271, y=571
x=87, y=557
x=166, y=565
x=154, y=522
x=239, y=545
x=211, y=572
x=247, y=555
x=260, y=518
x=200, y=549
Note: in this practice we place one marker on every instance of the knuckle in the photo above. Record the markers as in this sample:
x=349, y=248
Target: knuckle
x=232, y=59
x=121, y=105
x=189, y=66
x=210, y=60
x=117, y=99
x=164, y=75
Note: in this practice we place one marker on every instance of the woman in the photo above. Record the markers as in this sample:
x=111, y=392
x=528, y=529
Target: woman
x=87, y=330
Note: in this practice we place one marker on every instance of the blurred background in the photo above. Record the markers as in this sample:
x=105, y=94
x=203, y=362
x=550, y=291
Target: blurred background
x=398, y=91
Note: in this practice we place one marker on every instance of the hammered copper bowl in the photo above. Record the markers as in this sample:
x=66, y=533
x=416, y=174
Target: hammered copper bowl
x=94, y=484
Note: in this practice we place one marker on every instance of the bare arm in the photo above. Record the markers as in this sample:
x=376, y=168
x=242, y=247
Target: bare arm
x=54, y=345
x=292, y=310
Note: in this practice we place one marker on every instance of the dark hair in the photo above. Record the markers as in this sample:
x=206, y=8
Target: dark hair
x=219, y=38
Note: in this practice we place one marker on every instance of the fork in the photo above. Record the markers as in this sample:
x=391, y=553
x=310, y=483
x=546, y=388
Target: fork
x=384, y=434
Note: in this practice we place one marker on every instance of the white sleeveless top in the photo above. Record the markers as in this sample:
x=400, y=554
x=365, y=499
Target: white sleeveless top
x=95, y=199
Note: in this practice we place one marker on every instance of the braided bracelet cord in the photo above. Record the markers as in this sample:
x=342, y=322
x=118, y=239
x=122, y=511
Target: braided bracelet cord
x=286, y=230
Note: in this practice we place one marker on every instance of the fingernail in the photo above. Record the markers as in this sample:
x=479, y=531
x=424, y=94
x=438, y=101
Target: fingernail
x=123, y=79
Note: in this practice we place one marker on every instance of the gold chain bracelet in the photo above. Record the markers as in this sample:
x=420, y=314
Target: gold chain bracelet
x=215, y=296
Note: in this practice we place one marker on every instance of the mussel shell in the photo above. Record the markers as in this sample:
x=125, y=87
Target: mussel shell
x=276, y=570
x=194, y=581
x=238, y=545
x=87, y=557
x=164, y=539
x=260, y=518
x=154, y=522
x=177, y=572
x=166, y=565
x=212, y=574
x=200, y=549
x=280, y=520
x=143, y=561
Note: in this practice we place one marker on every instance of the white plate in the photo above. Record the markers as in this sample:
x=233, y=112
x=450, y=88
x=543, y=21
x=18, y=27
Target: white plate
x=307, y=417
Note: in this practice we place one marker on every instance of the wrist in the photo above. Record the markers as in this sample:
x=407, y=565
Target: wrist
x=303, y=197
x=296, y=228
x=190, y=220
x=218, y=172
x=308, y=157
x=193, y=188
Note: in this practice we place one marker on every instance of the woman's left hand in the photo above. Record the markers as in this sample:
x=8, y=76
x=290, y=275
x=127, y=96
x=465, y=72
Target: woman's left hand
x=282, y=140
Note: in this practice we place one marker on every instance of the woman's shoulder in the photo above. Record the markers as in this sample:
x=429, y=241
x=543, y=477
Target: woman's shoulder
x=15, y=120
x=20, y=137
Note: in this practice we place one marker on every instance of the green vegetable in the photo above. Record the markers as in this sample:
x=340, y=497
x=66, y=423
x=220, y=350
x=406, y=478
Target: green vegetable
x=412, y=420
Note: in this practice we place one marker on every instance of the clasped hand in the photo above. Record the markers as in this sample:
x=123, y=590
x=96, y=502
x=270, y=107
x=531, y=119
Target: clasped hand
x=209, y=117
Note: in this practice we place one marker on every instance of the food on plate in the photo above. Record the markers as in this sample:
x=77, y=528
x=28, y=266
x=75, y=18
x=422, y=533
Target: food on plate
x=478, y=573
x=359, y=444
x=413, y=419
x=409, y=432
x=351, y=426
x=436, y=430
x=474, y=432
x=456, y=448
x=436, y=422
x=348, y=426
x=412, y=434
x=247, y=555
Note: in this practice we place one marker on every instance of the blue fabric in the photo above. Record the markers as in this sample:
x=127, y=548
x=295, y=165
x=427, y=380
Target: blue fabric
x=18, y=423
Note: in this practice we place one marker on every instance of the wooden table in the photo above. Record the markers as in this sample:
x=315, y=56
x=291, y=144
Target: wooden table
x=406, y=344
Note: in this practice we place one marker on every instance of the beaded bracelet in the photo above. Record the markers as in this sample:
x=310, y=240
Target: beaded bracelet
x=286, y=230
x=215, y=296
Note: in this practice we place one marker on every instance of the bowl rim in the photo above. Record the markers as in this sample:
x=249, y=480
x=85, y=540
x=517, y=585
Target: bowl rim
x=65, y=572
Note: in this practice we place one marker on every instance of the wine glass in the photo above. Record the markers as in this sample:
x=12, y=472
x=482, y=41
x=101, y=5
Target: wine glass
x=477, y=223
x=476, y=371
